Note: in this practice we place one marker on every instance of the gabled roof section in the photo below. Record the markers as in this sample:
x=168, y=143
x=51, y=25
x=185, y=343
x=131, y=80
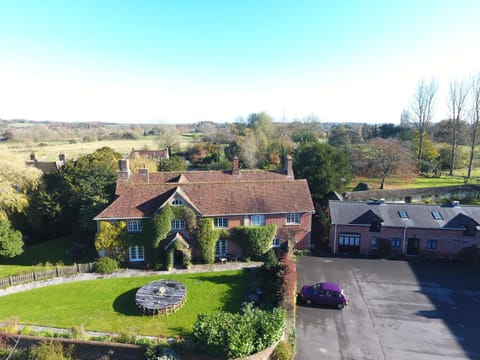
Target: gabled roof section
x=172, y=238
x=419, y=216
x=367, y=218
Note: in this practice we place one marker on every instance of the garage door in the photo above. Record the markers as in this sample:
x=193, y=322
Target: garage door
x=349, y=243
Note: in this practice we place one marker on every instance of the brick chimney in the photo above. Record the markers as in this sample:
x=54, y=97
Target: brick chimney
x=143, y=172
x=289, y=166
x=124, y=169
x=236, y=169
x=61, y=157
x=33, y=157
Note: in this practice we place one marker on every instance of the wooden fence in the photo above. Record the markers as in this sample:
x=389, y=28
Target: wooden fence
x=58, y=271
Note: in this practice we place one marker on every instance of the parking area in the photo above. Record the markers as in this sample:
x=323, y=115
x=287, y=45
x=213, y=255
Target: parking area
x=416, y=309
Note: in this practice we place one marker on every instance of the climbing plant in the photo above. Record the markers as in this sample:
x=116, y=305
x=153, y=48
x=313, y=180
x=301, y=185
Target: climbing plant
x=207, y=237
x=111, y=236
x=255, y=241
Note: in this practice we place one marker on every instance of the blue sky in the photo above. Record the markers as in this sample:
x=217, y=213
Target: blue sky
x=187, y=61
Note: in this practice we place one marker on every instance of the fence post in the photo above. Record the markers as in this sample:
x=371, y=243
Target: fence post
x=10, y=280
x=34, y=276
x=56, y=271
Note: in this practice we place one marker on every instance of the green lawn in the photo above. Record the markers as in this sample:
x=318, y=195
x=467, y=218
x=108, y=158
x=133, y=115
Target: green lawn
x=109, y=304
x=50, y=252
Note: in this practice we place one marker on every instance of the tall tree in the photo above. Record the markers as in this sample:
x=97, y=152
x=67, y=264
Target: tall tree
x=325, y=168
x=72, y=196
x=168, y=138
x=474, y=119
x=457, y=95
x=422, y=108
x=17, y=180
x=11, y=243
x=383, y=158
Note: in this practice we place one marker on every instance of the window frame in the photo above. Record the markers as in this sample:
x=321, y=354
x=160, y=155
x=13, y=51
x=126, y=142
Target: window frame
x=138, y=251
x=396, y=242
x=134, y=226
x=276, y=242
x=177, y=202
x=254, y=218
x=437, y=215
x=221, y=248
x=178, y=224
x=293, y=216
x=220, y=223
x=431, y=244
x=403, y=214
x=373, y=242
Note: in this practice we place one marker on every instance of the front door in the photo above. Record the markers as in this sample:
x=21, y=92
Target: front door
x=412, y=246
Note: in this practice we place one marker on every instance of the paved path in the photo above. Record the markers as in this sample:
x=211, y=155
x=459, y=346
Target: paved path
x=129, y=273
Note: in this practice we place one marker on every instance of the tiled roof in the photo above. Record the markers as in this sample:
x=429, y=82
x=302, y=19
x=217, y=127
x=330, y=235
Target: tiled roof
x=214, y=198
x=201, y=176
x=414, y=215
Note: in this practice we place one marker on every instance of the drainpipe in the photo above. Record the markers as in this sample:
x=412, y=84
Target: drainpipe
x=335, y=240
x=404, y=239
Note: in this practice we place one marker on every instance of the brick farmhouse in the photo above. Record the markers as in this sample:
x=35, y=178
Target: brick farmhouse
x=358, y=227
x=231, y=198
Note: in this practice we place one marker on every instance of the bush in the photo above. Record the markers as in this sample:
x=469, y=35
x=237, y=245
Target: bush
x=230, y=335
x=283, y=351
x=48, y=350
x=270, y=261
x=106, y=265
x=161, y=353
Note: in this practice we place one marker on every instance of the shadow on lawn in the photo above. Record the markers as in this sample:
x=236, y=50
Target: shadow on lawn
x=125, y=303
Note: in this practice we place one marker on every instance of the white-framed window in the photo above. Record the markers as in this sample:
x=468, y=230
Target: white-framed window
x=373, y=242
x=221, y=248
x=437, y=215
x=293, y=219
x=177, y=202
x=136, y=253
x=432, y=244
x=257, y=220
x=395, y=243
x=134, y=226
x=178, y=224
x=276, y=242
x=403, y=214
x=220, y=223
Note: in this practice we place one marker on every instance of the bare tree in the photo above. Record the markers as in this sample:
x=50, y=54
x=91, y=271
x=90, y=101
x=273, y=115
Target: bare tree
x=422, y=108
x=169, y=138
x=474, y=118
x=457, y=95
x=383, y=158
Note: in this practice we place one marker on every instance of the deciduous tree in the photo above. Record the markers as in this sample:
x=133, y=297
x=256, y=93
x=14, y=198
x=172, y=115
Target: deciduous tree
x=11, y=243
x=474, y=118
x=422, y=108
x=384, y=158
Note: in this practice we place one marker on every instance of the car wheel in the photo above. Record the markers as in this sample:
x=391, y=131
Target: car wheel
x=340, y=306
x=309, y=302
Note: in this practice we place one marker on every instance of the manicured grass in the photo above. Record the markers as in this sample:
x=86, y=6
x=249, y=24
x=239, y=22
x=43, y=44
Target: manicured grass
x=49, y=252
x=109, y=304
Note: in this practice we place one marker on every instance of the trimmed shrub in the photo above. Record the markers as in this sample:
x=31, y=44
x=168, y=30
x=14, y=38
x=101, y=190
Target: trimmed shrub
x=106, y=265
x=231, y=335
x=254, y=240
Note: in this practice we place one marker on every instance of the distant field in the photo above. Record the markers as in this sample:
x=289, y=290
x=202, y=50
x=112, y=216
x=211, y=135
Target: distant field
x=51, y=150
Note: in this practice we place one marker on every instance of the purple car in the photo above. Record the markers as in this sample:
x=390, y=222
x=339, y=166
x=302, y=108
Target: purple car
x=324, y=293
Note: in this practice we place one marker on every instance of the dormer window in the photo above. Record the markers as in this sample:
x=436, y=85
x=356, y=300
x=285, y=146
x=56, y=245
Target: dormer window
x=375, y=226
x=403, y=214
x=177, y=202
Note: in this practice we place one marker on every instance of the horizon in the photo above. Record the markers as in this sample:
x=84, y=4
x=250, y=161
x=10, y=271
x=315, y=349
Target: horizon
x=155, y=62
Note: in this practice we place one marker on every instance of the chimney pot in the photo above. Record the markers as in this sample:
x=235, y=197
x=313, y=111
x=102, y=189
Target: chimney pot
x=235, y=170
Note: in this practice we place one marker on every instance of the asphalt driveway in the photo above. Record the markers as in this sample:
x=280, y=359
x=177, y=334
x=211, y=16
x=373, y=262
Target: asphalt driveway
x=417, y=309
